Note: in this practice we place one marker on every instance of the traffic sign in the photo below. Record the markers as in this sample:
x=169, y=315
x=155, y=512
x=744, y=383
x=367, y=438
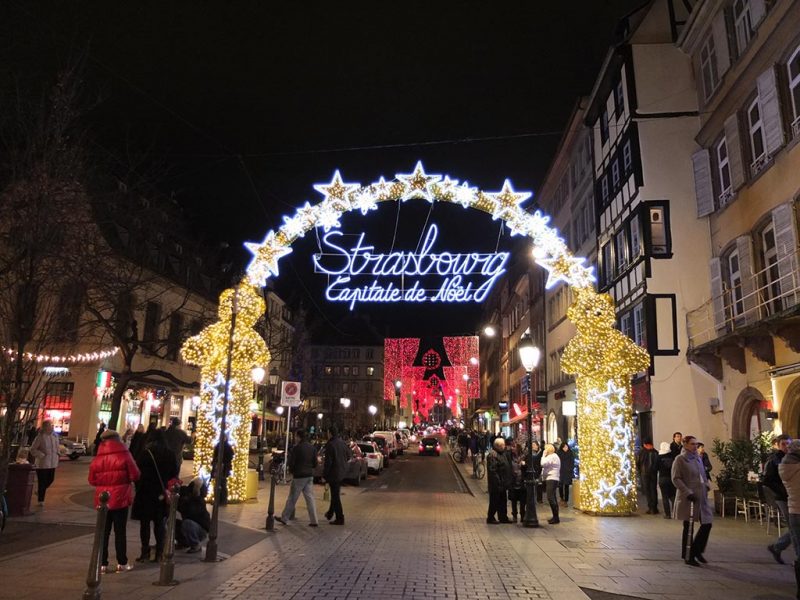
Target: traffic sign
x=290, y=393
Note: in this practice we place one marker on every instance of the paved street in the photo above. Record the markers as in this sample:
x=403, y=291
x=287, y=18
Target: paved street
x=416, y=531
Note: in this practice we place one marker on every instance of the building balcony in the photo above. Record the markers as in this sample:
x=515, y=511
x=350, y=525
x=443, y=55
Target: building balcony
x=747, y=316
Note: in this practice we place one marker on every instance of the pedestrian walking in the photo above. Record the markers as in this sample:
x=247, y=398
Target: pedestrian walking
x=157, y=466
x=551, y=471
x=302, y=460
x=45, y=449
x=677, y=443
x=498, y=470
x=127, y=437
x=647, y=465
x=567, y=459
x=691, y=501
x=789, y=471
x=517, y=494
x=137, y=441
x=463, y=444
x=99, y=437
x=176, y=439
x=113, y=470
x=193, y=526
x=665, y=460
x=774, y=486
x=227, y=466
x=337, y=455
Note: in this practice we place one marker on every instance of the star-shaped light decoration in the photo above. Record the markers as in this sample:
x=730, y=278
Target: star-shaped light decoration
x=607, y=492
x=337, y=193
x=466, y=195
x=519, y=224
x=328, y=215
x=304, y=219
x=446, y=189
x=560, y=268
x=216, y=388
x=418, y=184
x=382, y=189
x=265, y=258
x=506, y=202
x=364, y=200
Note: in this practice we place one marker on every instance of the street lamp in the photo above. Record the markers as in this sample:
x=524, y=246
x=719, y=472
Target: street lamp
x=372, y=411
x=397, y=386
x=258, y=375
x=529, y=357
x=489, y=331
x=270, y=524
x=345, y=402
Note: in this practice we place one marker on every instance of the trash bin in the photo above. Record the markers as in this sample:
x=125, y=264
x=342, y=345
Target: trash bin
x=19, y=489
x=251, y=485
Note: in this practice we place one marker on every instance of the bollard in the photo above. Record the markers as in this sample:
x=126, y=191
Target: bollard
x=167, y=572
x=271, y=507
x=93, y=591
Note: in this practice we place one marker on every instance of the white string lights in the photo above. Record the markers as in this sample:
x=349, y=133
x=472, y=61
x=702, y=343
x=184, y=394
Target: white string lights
x=70, y=359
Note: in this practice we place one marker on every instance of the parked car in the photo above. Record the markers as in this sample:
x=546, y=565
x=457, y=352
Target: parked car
x=402, y=441
x=430, y=445
x=391, y=442
x=73, y=449
x=356, y=466
x=383, y=446
x=373, y=454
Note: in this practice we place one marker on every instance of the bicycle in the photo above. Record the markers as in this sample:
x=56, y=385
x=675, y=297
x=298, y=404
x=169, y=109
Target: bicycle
x=457, y=454
x=478, y=468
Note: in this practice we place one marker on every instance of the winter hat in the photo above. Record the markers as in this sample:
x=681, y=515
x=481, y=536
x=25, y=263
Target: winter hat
x=663, y=448
x=109, y=433
x=794, y=446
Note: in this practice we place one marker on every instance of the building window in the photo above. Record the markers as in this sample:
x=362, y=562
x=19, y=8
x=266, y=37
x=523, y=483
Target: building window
x=604, y=188
x=345, y=370
x=174, y=336
x=328, y=370
x=636, y=238
x=615, y=174
x=793, y=69
x=638, y=326
x=619, y=99
x=723, y=169
x=152, y=317
x=708, y=67
x=626, y=324
x=756, y=132
x=604, y=126
x=370, y=371
x=627, y=157
x=355, y=371
x=621, y=251
x=608, y=266
x=735, y=283
x=660, y=244
x=345, y=387
x=770, y=278
x=742, y=24
x=369, y=353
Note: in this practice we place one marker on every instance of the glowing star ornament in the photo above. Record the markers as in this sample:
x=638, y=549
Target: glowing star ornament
x=364, y=201
x=466, y=195
x=265, y=258
x=507, y=202
x=382, y=190
x=606, y=494
x=560, y=268
x=337, y=193
x=446, y=189
x=418, y=184
x=328, y=216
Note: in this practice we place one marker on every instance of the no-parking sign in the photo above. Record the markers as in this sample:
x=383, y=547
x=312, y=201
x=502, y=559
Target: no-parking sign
x=290, y=393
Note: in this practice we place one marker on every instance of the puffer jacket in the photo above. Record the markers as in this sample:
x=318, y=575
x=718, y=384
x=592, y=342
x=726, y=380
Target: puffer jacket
x=45, y=450
x=113, y=470
x=551, y=467
x=789, y=470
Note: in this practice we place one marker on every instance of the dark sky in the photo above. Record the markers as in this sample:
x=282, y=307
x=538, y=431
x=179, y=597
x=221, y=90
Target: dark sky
x=248, y=104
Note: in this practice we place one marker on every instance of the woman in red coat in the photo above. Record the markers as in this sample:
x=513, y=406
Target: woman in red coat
x=113, y=470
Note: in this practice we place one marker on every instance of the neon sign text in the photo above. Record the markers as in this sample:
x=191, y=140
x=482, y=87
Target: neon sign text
x=358, y=274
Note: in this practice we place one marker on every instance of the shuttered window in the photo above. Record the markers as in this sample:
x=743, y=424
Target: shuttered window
x=785, y=223
x=771, y=117
x=723, y=171
x=704, y=191
x=756, y=136
x=708, y=67
x=717, y=293
x=742, y=24
x=719, y=31
x=734, y=149
x=793, y=72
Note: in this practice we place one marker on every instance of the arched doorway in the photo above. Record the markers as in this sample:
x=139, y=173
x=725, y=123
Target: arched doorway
x=749, y=415
x=790, y=409
x=552, y=427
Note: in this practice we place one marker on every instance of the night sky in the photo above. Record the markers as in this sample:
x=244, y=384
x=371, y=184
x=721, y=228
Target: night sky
x=248, y=104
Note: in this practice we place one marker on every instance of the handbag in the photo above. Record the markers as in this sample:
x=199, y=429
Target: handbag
x=163, y=495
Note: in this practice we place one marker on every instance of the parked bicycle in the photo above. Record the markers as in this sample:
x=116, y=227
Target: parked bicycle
x=457, y=454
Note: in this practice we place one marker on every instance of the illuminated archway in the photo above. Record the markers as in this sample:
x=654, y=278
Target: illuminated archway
x=601, y=357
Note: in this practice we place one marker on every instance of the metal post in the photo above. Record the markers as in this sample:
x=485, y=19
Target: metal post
x=531, y=519
x=263, y=441
x=93, y=591
x=271, y=505
x=211, y=547
x=167, y=572
x=286, y=451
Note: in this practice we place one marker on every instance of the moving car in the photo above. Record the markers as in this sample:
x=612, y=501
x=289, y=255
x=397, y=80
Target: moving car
x=430, y=445
x=71, y=448
x=373, y=454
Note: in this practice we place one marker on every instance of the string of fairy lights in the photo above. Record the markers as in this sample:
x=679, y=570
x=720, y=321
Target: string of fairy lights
x=602, y=359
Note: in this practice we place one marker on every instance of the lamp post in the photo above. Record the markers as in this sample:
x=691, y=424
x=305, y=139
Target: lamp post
x=397, y=387
x=345, y=402
x=372, y=410
x=529, y=357
x=258, y=375
x=270, y=522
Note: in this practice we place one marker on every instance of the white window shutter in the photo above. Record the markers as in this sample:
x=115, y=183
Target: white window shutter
x=770, y=110
x=757, y=12
x=734, y=145
x=717, y=294
x=703, y=188
x=744, y=244
x=784, y=223
x=721, y=48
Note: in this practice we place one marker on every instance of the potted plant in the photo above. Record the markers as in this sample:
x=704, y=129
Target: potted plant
x=739, y=458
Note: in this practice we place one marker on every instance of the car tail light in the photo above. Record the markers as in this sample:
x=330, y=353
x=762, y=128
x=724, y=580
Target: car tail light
x=372, y=456
x=421, y=448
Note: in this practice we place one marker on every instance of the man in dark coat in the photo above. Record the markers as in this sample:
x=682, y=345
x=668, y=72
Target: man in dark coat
x=677, y=443
x=665, y=460
x=337, y=455
x=227, y=465
x=176, y=439
x=647, y=465
x=773, y=482
x=302, y=461
x=499, y=474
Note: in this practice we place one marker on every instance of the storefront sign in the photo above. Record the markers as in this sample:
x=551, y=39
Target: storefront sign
x=358, y=274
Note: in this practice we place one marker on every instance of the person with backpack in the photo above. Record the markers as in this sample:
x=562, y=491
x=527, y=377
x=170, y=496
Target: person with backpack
x=774, y=486
x=647, y=465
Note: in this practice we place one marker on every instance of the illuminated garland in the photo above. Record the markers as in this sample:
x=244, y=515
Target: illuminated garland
x=209, y=350
x=64, y=360
x=602, y=358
